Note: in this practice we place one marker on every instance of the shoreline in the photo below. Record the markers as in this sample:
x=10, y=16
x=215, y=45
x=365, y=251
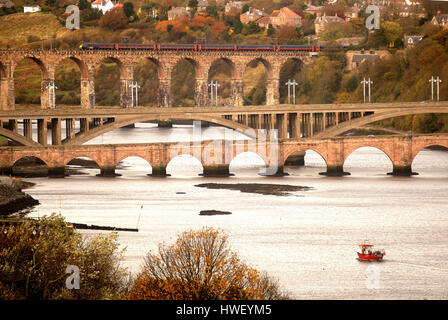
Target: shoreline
x=12, y=199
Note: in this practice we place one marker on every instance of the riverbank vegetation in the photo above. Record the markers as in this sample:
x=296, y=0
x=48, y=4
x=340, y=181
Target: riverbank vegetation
x=34, y=256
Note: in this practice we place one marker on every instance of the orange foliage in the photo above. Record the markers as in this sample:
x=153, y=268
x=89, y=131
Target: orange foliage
x=179, y=25
x=286, y=33
x=218, y=27
x=201, y=21
x=200, y=266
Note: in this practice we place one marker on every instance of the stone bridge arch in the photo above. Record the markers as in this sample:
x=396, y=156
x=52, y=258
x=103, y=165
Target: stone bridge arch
x=422, y=143
x=290, y=150
x=92, y=155
x=386, y=147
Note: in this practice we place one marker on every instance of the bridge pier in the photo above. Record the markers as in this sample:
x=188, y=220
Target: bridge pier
x=159, y=172
x=164, y=93
x=272, y=92
x=88, y=93
x=237, y=88
x=108, y=172
x=4, y=94
x=125, y=93
x=42, y=131
x=269, y=172
x=335, y=171
x=56, y=172
x=5, y=171
x=56, y=132
x=402, y=171
x=216, y=171
x=201, y=93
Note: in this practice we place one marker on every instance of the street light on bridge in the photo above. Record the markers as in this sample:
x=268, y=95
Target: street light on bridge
x=293, y=84
x=214, y=84
x=364, y=82
x=437, y=81
x=134, y=85
x=51, y=95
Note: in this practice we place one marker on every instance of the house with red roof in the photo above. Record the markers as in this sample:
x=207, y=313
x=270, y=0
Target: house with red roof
x=103, y=5
x=285, y=17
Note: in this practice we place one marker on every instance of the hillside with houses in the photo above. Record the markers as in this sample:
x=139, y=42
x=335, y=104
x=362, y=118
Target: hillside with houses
x=255, y=21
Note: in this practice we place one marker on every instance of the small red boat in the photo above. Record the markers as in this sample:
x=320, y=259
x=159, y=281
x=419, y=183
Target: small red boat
x=369, y=253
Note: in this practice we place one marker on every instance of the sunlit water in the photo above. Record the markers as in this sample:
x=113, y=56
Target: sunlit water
x=307, y=240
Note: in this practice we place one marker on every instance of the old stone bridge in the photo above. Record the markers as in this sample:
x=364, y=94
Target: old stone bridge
x=216, y=156
x=165, y=61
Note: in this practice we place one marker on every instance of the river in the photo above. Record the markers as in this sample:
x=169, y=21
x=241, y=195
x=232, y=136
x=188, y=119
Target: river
x=307, y=240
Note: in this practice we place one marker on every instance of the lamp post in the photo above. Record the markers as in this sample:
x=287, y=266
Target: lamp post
x=364, y=82
x=51, y=95
x=438, y=81
x=293, y=84
x=369, y=82
x=214, y=84
x=432, y=88
x=134, y=101
x=216, y=91
x=136, y=87
x=211, y=85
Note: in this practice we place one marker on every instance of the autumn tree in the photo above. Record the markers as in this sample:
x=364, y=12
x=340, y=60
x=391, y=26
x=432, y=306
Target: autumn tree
x=392, y=31
x=200, y=266
x=285, y=33
x=34, y=256
x=114, y=19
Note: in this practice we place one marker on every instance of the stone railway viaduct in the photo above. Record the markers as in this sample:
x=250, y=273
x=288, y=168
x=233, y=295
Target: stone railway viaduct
x=165, y=61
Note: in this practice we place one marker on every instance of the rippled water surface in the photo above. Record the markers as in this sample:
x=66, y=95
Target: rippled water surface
x=307, y=240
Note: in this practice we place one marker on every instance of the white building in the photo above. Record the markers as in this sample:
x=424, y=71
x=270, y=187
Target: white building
x=31, y=9
x=103, y=5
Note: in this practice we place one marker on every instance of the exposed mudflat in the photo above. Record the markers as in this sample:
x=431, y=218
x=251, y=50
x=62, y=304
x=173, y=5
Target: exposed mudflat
x=214, y=213
x=260, y=188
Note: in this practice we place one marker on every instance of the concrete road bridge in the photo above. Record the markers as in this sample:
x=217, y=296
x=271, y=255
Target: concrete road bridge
x=71, y=126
